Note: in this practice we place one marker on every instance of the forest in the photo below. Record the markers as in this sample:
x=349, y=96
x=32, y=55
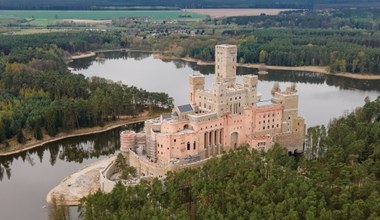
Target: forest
x=337, y=177
x=106, y=4
x=39, y=96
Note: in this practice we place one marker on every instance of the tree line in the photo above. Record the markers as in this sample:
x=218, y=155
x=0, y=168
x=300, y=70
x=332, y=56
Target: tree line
x=344, y=50
x=106, y=4
x=366, y=19
x=336, y=178
x=38, y=95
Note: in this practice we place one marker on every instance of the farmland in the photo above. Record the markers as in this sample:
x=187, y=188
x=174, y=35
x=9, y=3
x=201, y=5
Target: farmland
x=43, y=18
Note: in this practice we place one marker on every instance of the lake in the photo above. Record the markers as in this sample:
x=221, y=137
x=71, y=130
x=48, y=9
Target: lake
x=321, y=97
x=26, y=178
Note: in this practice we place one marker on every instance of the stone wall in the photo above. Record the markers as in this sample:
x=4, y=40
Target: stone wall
x=292, y=141
x=106, y=185
x=145, y=168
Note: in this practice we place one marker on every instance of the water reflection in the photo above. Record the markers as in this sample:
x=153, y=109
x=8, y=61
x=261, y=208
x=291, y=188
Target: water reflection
x=5, y=170
x=76, y=149
x=274, y=75
x=81, y=64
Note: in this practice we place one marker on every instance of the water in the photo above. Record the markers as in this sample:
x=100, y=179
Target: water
x=321, y=97
x=26, y=178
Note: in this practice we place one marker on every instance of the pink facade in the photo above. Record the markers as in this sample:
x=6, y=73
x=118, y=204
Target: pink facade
x=228, y=115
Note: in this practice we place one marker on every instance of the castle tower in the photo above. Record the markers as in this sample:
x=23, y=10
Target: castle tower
x=196, y=82
x=289, y=99
x=250, y=83
x=225, y=63
x=127, y=140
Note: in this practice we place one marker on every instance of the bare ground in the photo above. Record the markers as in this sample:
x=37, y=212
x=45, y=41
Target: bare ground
x=86, y=21
x=83, y=55
x=219, y=13
x=79, y=184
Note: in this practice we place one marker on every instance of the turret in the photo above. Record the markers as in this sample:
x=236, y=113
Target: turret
x=196, y=82
x=250, y=83
x=225, y=63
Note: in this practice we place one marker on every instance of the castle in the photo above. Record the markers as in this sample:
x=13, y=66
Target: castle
x=216, y=120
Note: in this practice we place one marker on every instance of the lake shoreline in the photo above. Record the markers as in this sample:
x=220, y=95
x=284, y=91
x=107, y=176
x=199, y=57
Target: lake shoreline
x=78, y=133
x=162, y=56
x=79, y=184
x=314, y=69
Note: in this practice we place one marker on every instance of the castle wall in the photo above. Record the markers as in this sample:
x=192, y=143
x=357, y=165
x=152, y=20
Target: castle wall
x=106, y=185
x=145, y=168
x=267, y=119
x=293, y=141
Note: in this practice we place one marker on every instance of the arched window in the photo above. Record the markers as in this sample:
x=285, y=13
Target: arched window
x=188, y=145
x=195, y=145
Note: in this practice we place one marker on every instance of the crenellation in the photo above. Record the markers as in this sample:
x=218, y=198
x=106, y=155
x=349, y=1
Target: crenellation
x=217, y=120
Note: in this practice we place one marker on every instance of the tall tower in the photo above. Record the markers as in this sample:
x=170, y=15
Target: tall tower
x=225, y=63
x=196, y=82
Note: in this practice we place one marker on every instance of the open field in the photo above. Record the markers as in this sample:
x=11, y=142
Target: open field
x=44, y=18
x=36, y=31
x=218, y=13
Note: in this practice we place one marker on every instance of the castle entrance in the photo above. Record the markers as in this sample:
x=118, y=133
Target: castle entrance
x=234, y=140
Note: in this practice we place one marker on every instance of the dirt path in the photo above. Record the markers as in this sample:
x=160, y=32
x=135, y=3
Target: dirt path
x=83, y=55
x=79, y=184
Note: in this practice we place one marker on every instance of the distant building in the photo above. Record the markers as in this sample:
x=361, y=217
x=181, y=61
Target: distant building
x=216, y=120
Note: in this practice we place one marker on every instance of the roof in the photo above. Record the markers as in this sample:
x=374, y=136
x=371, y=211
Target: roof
x=264, y=103
x=185, y=108
x=166, y=116
x=174, y=114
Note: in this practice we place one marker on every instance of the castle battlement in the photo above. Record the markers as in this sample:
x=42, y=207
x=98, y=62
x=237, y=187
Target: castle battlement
x=219, y=119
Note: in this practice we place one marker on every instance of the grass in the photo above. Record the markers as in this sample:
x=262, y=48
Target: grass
x=44, y=18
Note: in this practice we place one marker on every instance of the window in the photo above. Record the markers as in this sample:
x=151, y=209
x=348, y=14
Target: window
x=194, y=146
x=175, y=140
x=188, y=145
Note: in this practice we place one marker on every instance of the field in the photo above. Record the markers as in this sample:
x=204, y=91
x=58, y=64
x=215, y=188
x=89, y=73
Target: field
x=43, y=18
x=218, y=13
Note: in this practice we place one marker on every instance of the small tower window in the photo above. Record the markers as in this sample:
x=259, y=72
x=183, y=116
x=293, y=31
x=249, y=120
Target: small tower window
x=188, y=145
